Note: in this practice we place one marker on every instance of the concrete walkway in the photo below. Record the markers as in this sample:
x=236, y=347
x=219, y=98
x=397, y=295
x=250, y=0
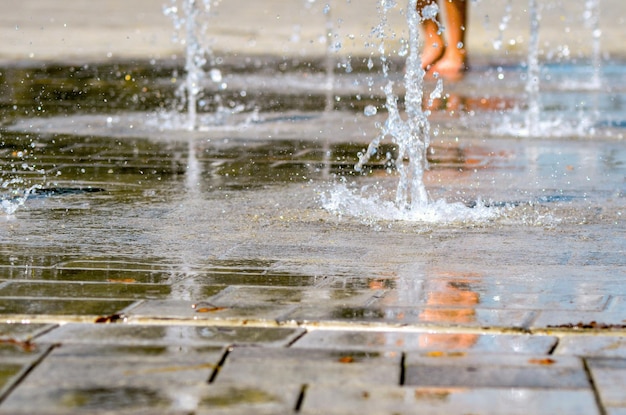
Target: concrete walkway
x=83, y=30
x=183, y=288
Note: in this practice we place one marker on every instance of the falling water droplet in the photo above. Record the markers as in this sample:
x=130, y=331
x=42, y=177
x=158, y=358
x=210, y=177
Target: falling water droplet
x=370, y=110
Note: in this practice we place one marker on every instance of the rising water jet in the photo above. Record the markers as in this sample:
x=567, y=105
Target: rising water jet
x=411, y=135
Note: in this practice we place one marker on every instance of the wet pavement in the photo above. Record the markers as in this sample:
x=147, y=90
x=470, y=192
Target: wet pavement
x=245, y=267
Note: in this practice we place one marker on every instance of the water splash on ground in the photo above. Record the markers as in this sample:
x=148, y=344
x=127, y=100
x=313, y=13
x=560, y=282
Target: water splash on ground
x=349, y=201
x=411, y=135
x=13, y=194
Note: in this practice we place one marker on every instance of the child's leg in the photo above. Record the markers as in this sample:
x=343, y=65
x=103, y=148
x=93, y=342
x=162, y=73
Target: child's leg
x=453, y=60
x=433, y=40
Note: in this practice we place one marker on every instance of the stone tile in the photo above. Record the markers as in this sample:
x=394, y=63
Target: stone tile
x=134, y=334
x=142, y=353
x=115, y=290
x=8, y=374
x=204, y=310
x=15, y=358
x=12, y=351
x=449, y=317
x=602, y=346
x=84, y=378
x=325, y=399
x=317, y=297
x=112, y=264
x=306, y=366
x=100, y=274
x=92, y=371
x=450, y=293
x=49, y=307
x=407, y=341
x=547, y=301
x=318, y=355
x=260, y=279
x=618, y=305
x=494, y=370
x=609, y=377
x=364, y=283
x=162, y=397
x=22, y=332
x=248, y=398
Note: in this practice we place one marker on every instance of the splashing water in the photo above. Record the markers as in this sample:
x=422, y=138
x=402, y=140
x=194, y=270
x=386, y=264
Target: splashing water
x=412, y=136
x=13, y=194
x=506, y=18
x=591, y=17
x=344, y=200
x=531, y=123
x=534, y=71
x=196, y=53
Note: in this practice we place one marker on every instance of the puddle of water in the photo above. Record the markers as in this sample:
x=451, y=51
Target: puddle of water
x=142, y=213
x=61, y=307
x=110, y=289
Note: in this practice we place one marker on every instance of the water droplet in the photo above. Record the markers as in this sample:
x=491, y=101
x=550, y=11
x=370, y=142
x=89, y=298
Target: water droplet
x=370, y=110
x=215, y=75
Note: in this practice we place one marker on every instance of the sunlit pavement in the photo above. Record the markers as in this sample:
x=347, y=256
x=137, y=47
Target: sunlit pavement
x=245, y=268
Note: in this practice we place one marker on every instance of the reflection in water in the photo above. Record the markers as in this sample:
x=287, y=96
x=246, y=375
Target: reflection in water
x=456, y=104
x=450, y=301
x=187, y=260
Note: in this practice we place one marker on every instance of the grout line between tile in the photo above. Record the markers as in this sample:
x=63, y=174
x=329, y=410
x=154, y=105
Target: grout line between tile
x=592, y=384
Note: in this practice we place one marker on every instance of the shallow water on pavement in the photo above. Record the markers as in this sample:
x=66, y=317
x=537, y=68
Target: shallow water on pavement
x=122, y=209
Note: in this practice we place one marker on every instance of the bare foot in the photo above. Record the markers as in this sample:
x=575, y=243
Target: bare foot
x=431, y=54
x=451, y=66
x=434, y=44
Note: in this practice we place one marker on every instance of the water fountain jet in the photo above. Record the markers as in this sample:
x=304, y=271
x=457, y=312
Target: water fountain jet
x=195, y=52
x=412, y=136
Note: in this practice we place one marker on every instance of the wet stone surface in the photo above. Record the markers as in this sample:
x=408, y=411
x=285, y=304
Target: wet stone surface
x=156, y=270
x=439, y=341
x=170, y=335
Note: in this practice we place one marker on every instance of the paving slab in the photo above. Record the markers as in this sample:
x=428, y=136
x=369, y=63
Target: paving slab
x=495, y=371
x=244, y=397
x=323, y=399
x=206, y=310
x=81, y=309
x=422, y=316
x=609, y=376
x=16, y=358
x=78, y=378
x=309, y=366
x=595, y=345
x=22, y=332
x=398, y=341
x=165, y=335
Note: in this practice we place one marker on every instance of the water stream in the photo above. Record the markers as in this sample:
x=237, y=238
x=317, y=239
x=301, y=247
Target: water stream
x=411, y=135
x=533, y=73
x=193, y=20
